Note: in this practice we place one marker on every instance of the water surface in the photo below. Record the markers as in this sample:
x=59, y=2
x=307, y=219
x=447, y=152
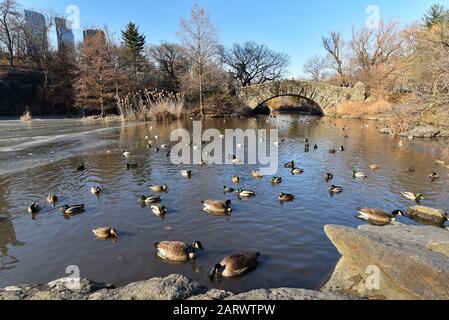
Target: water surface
x=41, y=157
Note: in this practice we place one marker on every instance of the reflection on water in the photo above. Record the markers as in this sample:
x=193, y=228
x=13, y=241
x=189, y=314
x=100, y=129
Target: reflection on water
x=296, y=252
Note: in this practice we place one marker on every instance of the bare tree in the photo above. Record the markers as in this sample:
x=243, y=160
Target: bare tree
x=199, y=37
x=315, y=67
x=334, y=44
x=252, y=63
x=8, y=20
x=171, y=60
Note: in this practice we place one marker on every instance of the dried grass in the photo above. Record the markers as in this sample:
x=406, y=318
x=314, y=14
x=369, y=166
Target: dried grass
x=26, y=117
x=151, y=105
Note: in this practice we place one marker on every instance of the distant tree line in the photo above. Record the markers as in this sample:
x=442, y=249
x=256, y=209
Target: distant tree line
x=106, y=66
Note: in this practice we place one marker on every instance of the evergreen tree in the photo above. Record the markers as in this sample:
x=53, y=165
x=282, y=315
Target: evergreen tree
x=435, y=15
x=134, y=43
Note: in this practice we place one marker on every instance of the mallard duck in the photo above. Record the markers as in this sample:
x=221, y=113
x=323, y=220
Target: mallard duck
x=81, y=167
x=306, y=150
x=434, y=176
x=217, y=207
x=315, y=147
x=177, y=251
x=374, y=167
x=235, y=265
x=150, y=199
x=411, y=170
x=235, y=180
x=164, y=146
x=96, y=190
x=71, y=210
x=359, y=175
x=276, y=180
x=256, y=174
x=228, y=189
x=126, y=154
x=159, y=210
x=235, y=160
x=284, y=197
x=335, y=189
x=186, y=173
x=34, y=208
x=290, y=165
x=296, y=171
x=245, y=193
x=328, y=177
x=159, y=189
x=52, y=199
x=332, y=151
x=378, y=216
x=342, y=148
x=105, y=233
x=130, y=166
x=413, y=196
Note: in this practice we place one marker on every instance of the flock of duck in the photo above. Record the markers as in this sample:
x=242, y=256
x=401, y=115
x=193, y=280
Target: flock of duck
x=240, y=263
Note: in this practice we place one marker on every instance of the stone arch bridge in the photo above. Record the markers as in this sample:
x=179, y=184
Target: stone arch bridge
x=324, y=96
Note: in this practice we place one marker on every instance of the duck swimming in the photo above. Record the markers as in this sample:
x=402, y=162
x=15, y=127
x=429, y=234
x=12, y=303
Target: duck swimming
x=96, y=190
x=159, y=210
x=159, y=189
x=359, y=175
x=34, y=208
x=235, y=180
x=217, y=207
x=296, y=171
x=186, y=174
x=335, y=189
x=285, y=197
x=105, y=233
x=52, y=199
x=245, y=193
x=378, y=216
x=256, y=174
x=177, y=251
x=228, y=189
x=413, y=196
x=72, y=210
x=328, y=177
x=276, y=180
x=150, y=199
x=235, y=265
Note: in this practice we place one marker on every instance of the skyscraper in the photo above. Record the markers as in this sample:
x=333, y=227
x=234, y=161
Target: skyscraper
x=36, y=31
x=66, y=39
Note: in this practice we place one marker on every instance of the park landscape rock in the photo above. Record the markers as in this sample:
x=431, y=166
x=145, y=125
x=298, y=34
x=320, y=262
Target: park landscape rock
x=412, y=261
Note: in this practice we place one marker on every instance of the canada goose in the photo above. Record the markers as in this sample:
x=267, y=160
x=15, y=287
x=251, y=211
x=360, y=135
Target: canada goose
x=52, y=199
x=130, y=166
x=276, y=180
x=328, y=177
x=105, y=233
x=235, y=265
x=433, y=176
x=296, y=171
x=378, y=216
x=228, y=189
x=335, y=189
x=290, y=165
x=81, y=167
x=427, y=215
x=359, y=174
x=150, y=199
x=187, y=174
x=159, y=189
x=34, y=208
x=374, y=167
x=177, y=251
x=256, y=174
x=159, y=210
x=245, y=193
x=235, y=180
x=96, y=190
x=285, y=197
x=217, y=207
x=413, y=196
x=71, y=210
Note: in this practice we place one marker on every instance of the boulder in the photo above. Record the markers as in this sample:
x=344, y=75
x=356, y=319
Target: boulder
x=422, y=132
x=284, y=294
x=213, y=294
x=428, y=215
x=173, y=287
x=391, y=262
x=386, y=131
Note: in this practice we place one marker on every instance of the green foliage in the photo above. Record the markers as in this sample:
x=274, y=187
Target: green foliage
x=134, y=43
x=437, y=14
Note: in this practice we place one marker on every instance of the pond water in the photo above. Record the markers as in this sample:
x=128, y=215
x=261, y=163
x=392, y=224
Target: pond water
x=41, y=158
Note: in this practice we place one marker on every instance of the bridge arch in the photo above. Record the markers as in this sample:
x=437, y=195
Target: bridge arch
x=324, y=95
x=303, y=104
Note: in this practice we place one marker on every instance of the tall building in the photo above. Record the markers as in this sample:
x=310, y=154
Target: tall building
x=91, y=33
x=37, y=31
x=66, y=38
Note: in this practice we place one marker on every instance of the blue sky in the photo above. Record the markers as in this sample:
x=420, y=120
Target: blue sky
x=291, y=26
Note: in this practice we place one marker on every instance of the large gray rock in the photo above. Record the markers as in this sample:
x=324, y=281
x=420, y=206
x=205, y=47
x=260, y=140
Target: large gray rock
x=174, y=287
x=428, y=215
x=283, y=294
x=422, y=132
x=391, y=262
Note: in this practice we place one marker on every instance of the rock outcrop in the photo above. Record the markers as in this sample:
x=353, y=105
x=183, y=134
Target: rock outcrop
x=391, y=262
x=422, y=132
x=173, y=287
